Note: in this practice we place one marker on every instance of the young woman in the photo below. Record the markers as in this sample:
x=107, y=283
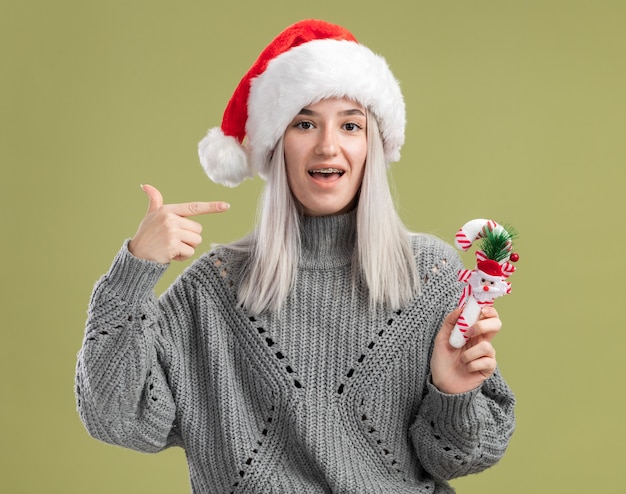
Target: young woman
x=312, y=355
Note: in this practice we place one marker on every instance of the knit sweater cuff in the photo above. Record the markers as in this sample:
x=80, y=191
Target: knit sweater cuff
x=133, y=279
x=455, y=410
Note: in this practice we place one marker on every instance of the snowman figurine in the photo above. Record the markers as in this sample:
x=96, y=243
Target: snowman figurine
x=487, y=281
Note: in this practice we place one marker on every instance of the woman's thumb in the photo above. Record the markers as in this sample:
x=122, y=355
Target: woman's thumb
x=155, y=199
x=449, y=322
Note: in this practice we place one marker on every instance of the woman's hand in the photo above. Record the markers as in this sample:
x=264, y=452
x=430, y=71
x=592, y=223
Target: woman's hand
x=166, y=233
x=458, y=370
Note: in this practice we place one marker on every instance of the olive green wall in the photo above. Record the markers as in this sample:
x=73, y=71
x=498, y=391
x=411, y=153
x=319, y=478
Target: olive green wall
x=516, y=112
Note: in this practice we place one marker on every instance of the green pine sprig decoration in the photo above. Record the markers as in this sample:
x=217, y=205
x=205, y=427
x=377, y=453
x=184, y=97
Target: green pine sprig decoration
x=497, y=243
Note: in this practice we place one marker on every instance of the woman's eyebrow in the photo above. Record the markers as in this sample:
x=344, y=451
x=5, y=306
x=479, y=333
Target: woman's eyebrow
x=348, y=113
x=345, y=113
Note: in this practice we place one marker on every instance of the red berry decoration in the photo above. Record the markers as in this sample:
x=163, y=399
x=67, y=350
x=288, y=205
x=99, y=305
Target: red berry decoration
x=514, y=257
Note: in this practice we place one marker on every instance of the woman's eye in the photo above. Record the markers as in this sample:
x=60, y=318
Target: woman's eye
x=351, y=126
x=304, y=125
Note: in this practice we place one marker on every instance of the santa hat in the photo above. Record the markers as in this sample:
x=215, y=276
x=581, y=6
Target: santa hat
x=309, y=61
x=490, y=268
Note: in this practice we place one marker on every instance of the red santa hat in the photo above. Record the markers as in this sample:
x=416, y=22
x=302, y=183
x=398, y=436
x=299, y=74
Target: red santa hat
x=309, y=61
x=490, y=268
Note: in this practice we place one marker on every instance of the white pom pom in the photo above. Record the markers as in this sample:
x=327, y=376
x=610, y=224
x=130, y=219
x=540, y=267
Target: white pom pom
x=223, y=159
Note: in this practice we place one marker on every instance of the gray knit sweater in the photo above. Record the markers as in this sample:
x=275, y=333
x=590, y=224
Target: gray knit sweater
x=323, y=397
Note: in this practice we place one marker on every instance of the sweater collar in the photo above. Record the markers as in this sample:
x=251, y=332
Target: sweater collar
x=327, y=241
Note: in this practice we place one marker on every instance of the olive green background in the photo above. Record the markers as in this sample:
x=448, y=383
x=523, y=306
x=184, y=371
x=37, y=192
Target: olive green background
x=516, y=112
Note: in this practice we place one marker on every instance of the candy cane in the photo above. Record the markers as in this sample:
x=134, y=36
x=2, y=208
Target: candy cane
x=464, y=238
x=472, y=231
x=470, y=314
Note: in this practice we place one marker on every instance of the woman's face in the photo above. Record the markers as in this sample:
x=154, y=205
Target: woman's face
x=325, y=150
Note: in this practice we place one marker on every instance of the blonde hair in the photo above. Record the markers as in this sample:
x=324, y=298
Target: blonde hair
x=383, y=258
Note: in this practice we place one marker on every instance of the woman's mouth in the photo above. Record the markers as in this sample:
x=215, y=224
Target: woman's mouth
x=326, y=174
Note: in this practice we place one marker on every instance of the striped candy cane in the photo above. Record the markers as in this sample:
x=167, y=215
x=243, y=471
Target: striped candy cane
x=472, y=231
x=470, y=314
x=464, y=238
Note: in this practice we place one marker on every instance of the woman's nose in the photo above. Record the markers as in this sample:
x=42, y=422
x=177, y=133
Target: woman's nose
x=327, y=144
